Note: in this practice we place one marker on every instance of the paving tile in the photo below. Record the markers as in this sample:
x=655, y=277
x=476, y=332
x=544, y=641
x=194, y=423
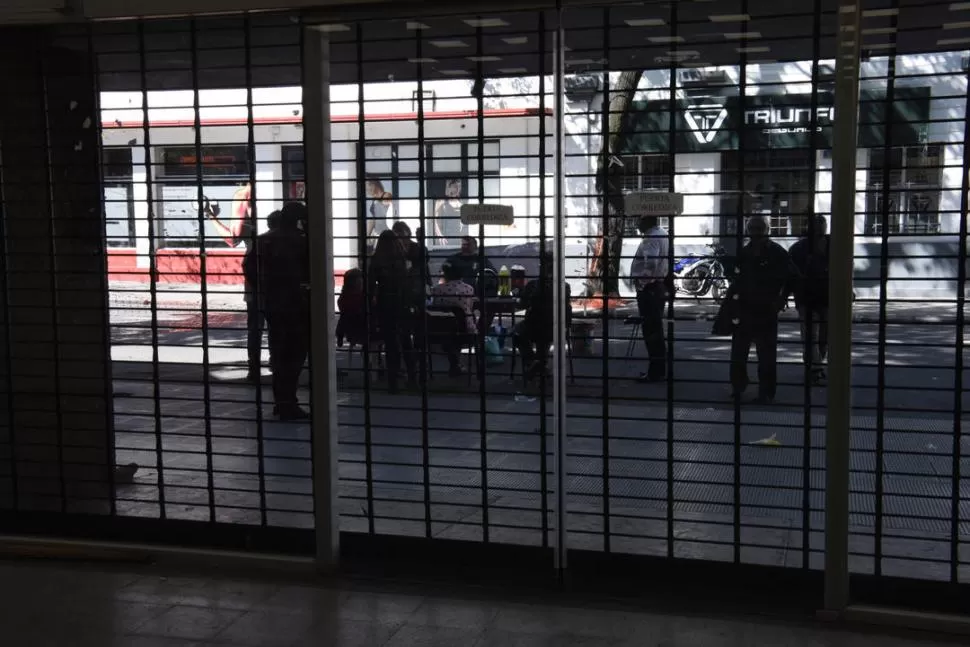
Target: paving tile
x=210, y=593
x=379, y=607
x=344, y=632
x=309, y=599
x=496, y=638
x=146, y=641
x=593, y=623
x=269, y=628
x=455, y=614
x=191, y=623
x=424, y=636
x=94, y=639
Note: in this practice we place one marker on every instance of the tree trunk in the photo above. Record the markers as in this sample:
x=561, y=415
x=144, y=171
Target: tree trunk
x=605, y=266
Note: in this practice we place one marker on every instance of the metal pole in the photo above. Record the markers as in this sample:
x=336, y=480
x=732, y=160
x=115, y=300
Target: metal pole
x=559, y=316
x=841, y=254
x=323, y=378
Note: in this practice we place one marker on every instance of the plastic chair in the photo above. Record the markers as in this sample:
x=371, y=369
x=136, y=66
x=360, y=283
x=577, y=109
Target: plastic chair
x=445, y=322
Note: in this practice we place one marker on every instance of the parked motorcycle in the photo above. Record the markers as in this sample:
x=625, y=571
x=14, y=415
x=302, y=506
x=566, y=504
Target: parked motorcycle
x=698, y=276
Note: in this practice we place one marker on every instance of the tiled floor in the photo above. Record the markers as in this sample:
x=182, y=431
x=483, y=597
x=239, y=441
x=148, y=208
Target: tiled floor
x=53, y=605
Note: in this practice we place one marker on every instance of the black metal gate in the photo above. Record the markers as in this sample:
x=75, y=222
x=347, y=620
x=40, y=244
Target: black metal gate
x=451, y=442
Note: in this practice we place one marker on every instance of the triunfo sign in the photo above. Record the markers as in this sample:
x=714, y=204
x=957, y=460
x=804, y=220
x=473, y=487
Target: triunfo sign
x=789, y=119
x=705, y=120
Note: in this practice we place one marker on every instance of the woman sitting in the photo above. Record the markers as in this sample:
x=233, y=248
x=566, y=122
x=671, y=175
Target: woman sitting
x=454, y=293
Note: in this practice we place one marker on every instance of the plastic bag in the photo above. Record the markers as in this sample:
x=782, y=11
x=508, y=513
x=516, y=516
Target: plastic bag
x=492, y=350
x=726, y=320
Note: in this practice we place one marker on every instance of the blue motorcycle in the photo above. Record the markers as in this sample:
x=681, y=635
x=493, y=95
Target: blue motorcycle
x=699, y=276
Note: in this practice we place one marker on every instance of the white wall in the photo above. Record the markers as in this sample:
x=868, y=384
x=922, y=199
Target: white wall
x=520, y=181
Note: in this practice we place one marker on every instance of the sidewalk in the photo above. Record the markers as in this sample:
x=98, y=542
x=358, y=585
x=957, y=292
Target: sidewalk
x=919, y=374
x=137, y=296
x=383, y=433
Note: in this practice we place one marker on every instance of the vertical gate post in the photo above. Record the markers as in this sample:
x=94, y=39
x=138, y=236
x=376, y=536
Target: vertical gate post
x=560, y=301
x=323, y=378
x=841, y=255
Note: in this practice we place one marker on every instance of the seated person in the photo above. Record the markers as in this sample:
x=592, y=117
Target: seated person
x=352, y=323
x=454, y=293
x=466, y=262
x=534, y=334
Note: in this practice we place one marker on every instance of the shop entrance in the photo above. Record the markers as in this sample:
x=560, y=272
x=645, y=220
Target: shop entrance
x=777, y=184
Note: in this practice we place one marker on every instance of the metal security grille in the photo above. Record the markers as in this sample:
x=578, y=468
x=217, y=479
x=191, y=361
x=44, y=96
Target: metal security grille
x=462, y=451
x=481, y=403
x=734, y=103
x=199, y=122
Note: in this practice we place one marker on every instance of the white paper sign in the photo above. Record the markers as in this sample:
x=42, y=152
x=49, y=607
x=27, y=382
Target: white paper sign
x=653, y=203
x=487, y=214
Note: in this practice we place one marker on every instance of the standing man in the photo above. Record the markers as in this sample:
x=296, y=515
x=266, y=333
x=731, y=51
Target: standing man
x=649, y=270
x=760, y=289
x=810, y=258
x=254, y=313
x=283, y=277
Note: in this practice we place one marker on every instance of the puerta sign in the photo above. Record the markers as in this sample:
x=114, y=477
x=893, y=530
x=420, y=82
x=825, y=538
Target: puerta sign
x=653, y=203
x=772, y=121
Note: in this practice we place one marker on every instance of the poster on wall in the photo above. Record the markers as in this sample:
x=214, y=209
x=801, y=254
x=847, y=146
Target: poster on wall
x=380, y=210
x=447, y=195
x=117, y=215
x=225, y=211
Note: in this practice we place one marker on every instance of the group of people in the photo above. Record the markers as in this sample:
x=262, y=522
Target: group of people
x=399, y=291
x=765, y=276
x=393, y=308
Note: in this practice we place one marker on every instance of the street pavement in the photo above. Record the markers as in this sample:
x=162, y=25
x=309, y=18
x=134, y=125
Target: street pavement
x=687, y=467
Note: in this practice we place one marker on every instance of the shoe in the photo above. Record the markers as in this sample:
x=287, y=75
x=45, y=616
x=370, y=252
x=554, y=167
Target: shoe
x=646, y=378
x=293, y=413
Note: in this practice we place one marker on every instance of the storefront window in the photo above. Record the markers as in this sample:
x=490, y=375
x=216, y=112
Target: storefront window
x=776, y=184
x=451, y=180
x=222, y=205
x=119, y=212
x=910, y=204
x=294, y=173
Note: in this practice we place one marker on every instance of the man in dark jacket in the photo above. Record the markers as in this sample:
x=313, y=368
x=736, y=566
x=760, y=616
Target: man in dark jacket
x=254, y=314
x=535, y=333
x=282, y=280
x=760, y=291
x=810, y=258
x=467, y=261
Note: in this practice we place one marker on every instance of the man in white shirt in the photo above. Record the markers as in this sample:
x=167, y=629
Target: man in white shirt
x=649, y=270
